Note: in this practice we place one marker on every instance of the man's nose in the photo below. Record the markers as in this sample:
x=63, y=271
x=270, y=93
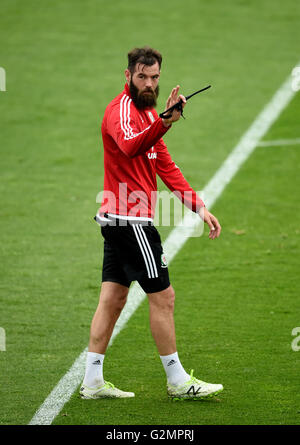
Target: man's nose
x=148, y=83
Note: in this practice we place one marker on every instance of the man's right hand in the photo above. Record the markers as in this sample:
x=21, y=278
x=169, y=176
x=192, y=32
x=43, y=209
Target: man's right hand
x=172, y=100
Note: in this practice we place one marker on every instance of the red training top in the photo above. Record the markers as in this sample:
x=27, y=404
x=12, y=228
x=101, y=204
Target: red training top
x=134, y=152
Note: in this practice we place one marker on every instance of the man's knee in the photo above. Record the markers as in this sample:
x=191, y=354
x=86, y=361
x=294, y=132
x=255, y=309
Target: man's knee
x=114, y=296
x=171, y=296
x=164, y=299
x=120, y=299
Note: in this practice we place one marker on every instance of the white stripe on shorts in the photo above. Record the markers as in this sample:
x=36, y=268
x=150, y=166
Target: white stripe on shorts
x=149, y=250
x=134, y=226
x=146, y=251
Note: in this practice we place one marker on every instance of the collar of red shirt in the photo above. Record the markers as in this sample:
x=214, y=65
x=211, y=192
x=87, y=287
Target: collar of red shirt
x=127, y=91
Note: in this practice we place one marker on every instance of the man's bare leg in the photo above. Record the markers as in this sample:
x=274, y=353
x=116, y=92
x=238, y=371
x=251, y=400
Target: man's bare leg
x=112, y=299
x=111, y=302
x=161, y=311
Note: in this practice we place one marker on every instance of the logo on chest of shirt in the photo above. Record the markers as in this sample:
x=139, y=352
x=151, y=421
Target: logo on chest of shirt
x=153, y=154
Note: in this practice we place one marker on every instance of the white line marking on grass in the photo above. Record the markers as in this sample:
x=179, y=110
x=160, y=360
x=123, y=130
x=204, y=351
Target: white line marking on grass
x=279, y=143
x=70, y=381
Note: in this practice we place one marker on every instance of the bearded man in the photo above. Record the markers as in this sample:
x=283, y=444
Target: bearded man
x=134, y=153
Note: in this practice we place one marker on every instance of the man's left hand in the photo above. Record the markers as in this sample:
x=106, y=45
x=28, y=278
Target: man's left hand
x=172, y=100
x=211, y=221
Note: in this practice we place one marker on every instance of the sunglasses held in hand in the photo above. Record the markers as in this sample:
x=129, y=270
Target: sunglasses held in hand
x=178, y=105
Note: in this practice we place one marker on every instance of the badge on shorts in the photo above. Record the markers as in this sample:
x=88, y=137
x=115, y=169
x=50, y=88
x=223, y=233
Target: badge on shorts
x=163, y=260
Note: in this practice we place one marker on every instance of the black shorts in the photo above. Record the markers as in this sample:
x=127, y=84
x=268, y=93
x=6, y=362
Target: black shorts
x=133, y=252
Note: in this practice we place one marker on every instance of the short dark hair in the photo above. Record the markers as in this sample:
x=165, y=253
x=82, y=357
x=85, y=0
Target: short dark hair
x=146, y=55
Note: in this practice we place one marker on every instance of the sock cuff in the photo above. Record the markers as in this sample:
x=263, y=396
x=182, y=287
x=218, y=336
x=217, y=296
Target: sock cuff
x=94, y=356
x=169, y=359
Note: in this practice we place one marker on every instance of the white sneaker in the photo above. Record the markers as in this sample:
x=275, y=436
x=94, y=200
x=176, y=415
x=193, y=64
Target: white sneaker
x=193, y=389
x=107, y=390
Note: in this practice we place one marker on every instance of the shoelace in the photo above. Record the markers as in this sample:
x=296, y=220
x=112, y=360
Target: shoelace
x=109, y=385
x=193, y=379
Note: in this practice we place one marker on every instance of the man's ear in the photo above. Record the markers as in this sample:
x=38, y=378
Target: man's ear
x=127, y=76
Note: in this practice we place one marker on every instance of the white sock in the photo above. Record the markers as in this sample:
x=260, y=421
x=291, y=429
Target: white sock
x=175, y=372
x=94, y=370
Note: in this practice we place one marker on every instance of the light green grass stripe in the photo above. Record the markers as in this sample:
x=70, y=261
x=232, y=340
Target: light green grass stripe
x=177, y=238
x=279, y=142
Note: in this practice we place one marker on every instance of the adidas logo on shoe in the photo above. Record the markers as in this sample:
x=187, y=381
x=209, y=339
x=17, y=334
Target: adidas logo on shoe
x=97, y=362
x=171, y=362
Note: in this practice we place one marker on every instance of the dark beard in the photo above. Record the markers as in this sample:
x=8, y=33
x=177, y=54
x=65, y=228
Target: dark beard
x=141, y=100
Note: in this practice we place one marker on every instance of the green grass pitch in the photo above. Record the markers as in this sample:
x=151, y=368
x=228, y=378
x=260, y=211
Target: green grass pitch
x=237, y=298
